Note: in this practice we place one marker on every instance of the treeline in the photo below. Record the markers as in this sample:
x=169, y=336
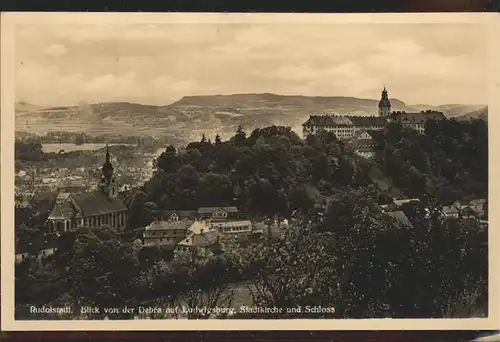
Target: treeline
x=272, y=171
x=30, y=154
x=83, y=138
x=448, y=162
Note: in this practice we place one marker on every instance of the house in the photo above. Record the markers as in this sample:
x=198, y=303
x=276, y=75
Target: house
x=400, y=202
x=202, y=244
x=42, y=202
x=468, y=213
x=416, y=121
x=450, y=211
x=90, y=209
x=397, y=203
x=344, y=127
x=365, y=145
x=162, y=232
x=176, y=215
x=478, y=205
x=38, y=248
x=217, y=213
x=232, y=227
x=401, y=217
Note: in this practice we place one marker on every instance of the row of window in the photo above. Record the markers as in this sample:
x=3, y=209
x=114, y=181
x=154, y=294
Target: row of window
x=114, y=220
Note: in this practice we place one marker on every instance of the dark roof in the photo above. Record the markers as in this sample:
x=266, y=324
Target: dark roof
x=62, y=211
x=400, y=216
x=468, y=211
x=419, y=117
x=44, y=196
x=200, y=240
x=44, y=241
x=209, y=210
x=169, y=225
x=179, y=213
x=328, y=120
x=367, y=121
x=344, y=120
x=97, y=203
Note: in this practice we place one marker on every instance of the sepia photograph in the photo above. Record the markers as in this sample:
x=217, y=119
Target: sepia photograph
x=249, y=169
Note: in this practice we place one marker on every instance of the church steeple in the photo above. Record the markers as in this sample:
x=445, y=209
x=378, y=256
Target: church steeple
x=107, y=183
x=384, y=105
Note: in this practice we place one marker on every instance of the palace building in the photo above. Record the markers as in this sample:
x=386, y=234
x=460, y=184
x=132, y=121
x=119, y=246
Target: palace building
x=92, y=209
x=347, y=127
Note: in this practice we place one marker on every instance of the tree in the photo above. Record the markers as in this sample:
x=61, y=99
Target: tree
x=101, y=272
x=240, y=136
x=218, y=140
x=169, y=160
x=294, y=272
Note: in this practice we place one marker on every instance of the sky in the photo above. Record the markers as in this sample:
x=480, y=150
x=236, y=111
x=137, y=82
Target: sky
x=160, y=63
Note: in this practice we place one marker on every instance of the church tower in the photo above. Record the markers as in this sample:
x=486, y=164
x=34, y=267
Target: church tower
x=384, y=105
x=108, y=183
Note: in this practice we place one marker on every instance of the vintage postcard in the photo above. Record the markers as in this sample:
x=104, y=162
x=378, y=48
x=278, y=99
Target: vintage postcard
x=274, y=171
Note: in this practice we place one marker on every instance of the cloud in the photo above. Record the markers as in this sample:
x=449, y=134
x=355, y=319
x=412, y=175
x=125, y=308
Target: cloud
x=406, y=57
x=162, y=62
x=55, y=50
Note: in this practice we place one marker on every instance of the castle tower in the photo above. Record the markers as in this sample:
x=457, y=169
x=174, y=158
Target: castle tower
x=384, y=105
x=108, y=183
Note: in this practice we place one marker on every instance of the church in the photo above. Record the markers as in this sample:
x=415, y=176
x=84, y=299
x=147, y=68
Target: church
x=92, y=209
x=347, y=127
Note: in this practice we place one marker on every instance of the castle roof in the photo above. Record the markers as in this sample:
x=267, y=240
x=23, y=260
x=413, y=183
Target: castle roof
x=367, y=121
x=419, y=117
x=340, y=120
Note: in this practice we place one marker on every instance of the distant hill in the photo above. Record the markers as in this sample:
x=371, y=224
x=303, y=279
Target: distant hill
x=192, y=116
x=25, y=107
x=476, y=114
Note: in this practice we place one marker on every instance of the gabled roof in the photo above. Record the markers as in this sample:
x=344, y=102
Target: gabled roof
x=198, y=227
x=468, y=211
x=43, y=196
x=401, y=217
x=179, y=213
x=64, y=211
x=400, y=202
x=328, y=120
x=419, y=117
x=96, y=203
x=209, y=210
x=368, y=121
x=200, y=240
x=168, y=225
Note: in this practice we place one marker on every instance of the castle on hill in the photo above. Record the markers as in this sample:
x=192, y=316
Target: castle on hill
x=346, y=127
